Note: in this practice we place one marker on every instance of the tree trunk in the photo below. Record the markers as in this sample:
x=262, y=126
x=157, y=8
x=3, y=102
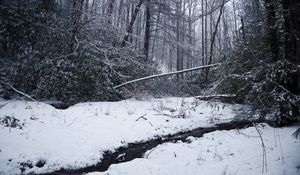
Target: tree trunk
x=205, y=33
x=291, y=43
x=120, y=10
x=189, y=52
x=110, y=8
x=147, y=31
x=235, y=21
x=271, y=24
x=202, y=34
x=179, y=60
x=243, y=29
x=76, y=17
x=47, y=5
x=86, y=10
x=130, y=25
x=166, y=74
x=156, y=32
x=213, y=38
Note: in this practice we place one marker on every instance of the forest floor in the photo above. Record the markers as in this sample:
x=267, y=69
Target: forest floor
x=37, y=138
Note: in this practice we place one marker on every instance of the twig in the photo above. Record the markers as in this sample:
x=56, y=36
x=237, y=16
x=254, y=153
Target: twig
x=152, y=151
x=181, y=111
x=2, y=105
x=150, y=124
x=72, y=122
x=282, y=158
x=265, y=165
x=143, y=117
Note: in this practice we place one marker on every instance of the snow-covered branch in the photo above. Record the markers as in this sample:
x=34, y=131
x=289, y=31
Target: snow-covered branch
x=207, y=97
x=166, y=74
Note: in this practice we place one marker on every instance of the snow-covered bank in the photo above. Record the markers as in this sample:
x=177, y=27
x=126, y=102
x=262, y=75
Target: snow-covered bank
x=235, y=152
x=43, y=139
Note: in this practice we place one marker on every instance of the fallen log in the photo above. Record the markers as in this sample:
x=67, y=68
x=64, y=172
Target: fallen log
x=207, y=97
x=166, y=74
x=223, y=97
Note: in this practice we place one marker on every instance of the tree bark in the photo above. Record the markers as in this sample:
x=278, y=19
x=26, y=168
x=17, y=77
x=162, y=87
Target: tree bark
x=76, y=17
x=213, y=38
x=110, y=8
x=147, y=31
x=235, y=20
x=130, y=25
x=179, y=60
x=272, y=28
x=202, y=34
x=205, y=33
x=156, y=32
x=120, y=10
x=291, y=43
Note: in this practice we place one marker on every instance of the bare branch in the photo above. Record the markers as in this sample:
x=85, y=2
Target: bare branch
x=16, y=90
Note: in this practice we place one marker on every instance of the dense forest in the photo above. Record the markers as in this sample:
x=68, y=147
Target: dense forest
x=72, y=51
x=149, y=87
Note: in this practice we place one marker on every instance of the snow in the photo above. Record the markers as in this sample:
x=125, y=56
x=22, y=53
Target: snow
x=78, y=136
x=235, y=152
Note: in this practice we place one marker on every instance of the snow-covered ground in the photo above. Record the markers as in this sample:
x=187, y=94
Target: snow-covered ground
x=235, y=152
x=78, y=136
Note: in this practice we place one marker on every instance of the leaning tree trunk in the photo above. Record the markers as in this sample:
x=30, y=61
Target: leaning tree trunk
x=130, y=25
x=213, y=39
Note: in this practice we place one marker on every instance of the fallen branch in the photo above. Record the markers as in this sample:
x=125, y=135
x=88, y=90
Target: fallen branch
x=17, y=91
x=142, y=117
x=166, y=74
x=208, y=97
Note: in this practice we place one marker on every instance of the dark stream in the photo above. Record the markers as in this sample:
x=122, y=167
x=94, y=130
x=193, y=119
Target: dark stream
x=137, y=150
